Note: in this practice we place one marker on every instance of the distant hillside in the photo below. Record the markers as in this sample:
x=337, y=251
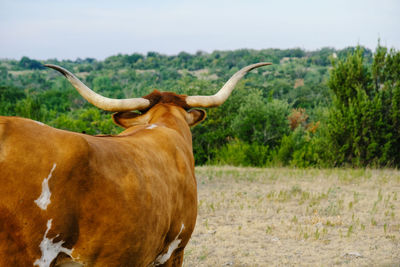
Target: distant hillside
x=296, y=80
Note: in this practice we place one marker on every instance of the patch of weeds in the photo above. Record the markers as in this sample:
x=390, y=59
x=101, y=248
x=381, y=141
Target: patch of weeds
x=334, y=208
x=329, y=223
x=304, y=196
x=362, y=226
x=294, y=219
x=278, y=210
x=295, y=190
x=341, y=204
x=357, y=221
x=201, y=202
x=380, y=196
x=315, y=200
x=391, y=237
x=385, y=228
x=384, y=179
x=269, y=229
x=352, y=176
x=356, y=197
x=202, y=257
x=316, y=234
x=350, y=230
x=373, y=222
x=211, y=207
x=374, y=207
x=326, y=241
x=271, y=195
x=324, y=231
x=206, y=224
x=283, y=196
x=303, y=233
x=386, y=200
x=306, y=235
x=188, y=252
x=333, y=191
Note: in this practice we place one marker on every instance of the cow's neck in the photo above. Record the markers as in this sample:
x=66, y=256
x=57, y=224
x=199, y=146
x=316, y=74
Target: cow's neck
x=161, y=115
x=172, y=117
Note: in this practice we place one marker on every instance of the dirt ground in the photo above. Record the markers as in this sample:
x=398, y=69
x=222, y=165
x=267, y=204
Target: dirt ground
x=294, y=217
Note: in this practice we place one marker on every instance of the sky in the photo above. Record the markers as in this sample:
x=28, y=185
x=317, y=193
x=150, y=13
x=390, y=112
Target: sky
x=45, y=29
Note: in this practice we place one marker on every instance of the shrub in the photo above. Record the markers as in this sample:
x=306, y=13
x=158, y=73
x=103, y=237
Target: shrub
x=239, y=153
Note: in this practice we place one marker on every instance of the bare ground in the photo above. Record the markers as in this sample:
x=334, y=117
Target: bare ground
x=294, y=217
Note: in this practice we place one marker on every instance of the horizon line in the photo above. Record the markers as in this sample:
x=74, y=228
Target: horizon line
x=193, y=53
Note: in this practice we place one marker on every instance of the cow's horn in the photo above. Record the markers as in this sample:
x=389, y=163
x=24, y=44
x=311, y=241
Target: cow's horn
x=223, y=94
x=101, y=101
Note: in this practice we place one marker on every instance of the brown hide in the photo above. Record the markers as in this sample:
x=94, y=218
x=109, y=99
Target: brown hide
x=115, y=200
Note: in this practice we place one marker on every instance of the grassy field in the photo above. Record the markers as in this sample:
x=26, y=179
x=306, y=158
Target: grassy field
x=295, y=217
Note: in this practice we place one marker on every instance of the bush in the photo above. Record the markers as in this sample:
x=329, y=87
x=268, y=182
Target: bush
x=239, y=153
x=298, y=149
x=261, y=122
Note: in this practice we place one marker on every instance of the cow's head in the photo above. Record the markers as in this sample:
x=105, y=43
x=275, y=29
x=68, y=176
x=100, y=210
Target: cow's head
x=156, y=105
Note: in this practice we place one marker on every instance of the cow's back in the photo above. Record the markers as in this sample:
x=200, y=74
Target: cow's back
x=144, y=191
x=113, y=199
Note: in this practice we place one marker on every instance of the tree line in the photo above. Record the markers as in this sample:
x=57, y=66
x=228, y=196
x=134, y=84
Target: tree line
x=320, y=108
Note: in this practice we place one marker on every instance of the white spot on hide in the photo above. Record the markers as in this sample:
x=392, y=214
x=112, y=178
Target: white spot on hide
x=38, y=122
x=163, y=258
x=49, y=249
x=152, y=126
x=44, y=199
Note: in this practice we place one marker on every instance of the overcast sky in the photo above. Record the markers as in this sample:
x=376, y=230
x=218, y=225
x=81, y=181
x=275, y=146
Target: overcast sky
x=68, y=29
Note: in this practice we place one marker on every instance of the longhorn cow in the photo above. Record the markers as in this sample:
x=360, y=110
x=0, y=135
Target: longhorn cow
x=70, y=199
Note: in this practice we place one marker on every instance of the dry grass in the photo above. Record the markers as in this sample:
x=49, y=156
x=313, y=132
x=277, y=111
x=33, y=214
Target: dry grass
x=293, y=217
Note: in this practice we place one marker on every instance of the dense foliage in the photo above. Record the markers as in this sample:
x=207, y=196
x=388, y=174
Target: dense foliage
x=364, y=122
x=321, y=108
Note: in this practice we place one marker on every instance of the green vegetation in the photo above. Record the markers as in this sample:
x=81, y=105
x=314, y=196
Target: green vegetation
x=364, y=122
x=320, y=108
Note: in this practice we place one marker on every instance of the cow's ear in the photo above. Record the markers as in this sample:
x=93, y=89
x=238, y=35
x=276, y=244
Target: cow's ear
x=129, y=119
x=195, y=116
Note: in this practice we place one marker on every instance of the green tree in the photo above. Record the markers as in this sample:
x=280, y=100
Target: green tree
x=28, y=63
x=260, y=121
x=363, y=123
